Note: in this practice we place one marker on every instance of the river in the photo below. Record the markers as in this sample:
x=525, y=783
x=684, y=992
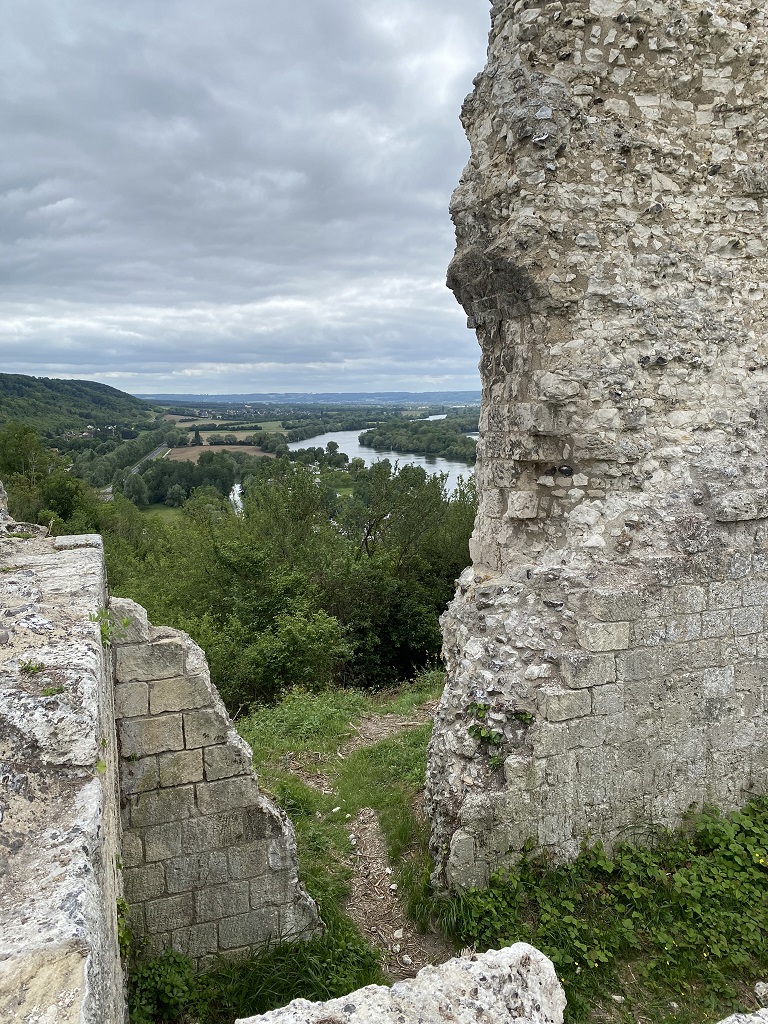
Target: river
x=347, y=440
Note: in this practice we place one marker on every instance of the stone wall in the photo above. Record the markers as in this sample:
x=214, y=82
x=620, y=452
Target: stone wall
x=210, y=864
x=207, y=861
x=607, y=652
x=59, y=824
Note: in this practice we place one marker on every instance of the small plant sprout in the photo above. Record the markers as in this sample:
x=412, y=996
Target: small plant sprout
x=31, y=668
x=109, y=627
x=52, y=691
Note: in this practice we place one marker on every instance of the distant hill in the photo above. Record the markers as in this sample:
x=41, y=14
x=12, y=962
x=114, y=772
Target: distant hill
x=330, y=397
x=57, y=406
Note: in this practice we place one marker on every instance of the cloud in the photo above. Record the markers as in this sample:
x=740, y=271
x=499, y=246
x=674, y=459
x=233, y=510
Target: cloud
x=248, y=195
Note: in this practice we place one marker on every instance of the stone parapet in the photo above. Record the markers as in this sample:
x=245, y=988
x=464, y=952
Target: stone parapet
x=59, y=823
x=210, y=864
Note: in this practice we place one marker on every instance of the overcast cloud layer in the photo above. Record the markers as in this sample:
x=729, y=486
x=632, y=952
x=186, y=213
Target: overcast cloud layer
x=244, y=195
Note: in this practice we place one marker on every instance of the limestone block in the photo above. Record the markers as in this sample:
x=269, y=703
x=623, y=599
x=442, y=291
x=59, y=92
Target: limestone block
x=604, y=636
x=715, y=625
x=249, y=861
x=181, y=766
x=563, y=705
x=215, y=902
x=140, y=737
x=226, y=794
x=143, y=883
x=747, y=620
x=131, y=619
x=162, y=805
x=195, y=871
x=213, y=832
x=247, y=929
x=615, y=605
x=204, y=728
x=170, y=912
x=161, y=842
x=225, y=760
x=607, y=700
x=522, y=505
x=139, y=775
x=163, y=659
x=581, y=670
x=179, y=694
x=687, y=600
x=131, y=700
x=755, y=593
x=197, y=941
x=131, y=850
x=518, y=982
x=725, y=595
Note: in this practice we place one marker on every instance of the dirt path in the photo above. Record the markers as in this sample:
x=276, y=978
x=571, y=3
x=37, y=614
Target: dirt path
x=375, y=907
x=374, y=903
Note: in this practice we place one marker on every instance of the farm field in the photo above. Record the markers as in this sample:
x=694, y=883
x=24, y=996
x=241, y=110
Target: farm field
x=193, y=454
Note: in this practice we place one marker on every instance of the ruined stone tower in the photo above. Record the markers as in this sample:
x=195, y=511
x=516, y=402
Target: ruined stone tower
x=607, y=653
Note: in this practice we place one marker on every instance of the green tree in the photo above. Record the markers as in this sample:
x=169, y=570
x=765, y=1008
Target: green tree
x=135, y=490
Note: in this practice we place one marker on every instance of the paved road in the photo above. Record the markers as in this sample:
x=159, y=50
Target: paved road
x=152, y=455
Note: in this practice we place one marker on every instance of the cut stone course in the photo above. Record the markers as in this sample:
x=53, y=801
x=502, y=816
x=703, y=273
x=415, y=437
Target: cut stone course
x=203, y=829
x=611, y=256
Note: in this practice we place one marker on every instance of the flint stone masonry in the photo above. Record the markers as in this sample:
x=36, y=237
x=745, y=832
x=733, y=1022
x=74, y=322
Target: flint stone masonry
x=513, y=984
x=212, y=866
x=207, y=862
x=612, y=257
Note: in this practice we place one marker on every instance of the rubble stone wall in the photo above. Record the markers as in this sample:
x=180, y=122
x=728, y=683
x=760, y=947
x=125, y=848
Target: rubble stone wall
x=607, y=652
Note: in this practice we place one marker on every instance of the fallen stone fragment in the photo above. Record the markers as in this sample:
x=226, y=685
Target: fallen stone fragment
x=517, y=983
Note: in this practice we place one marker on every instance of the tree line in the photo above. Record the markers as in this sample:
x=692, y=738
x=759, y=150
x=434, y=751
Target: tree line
x=329, y=575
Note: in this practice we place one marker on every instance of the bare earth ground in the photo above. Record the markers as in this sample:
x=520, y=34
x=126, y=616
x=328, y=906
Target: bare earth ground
x=192, y=454
x=374, y=904
x=375, y=907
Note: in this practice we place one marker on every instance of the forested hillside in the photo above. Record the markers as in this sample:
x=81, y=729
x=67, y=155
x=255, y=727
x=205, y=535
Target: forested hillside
x=56, y=406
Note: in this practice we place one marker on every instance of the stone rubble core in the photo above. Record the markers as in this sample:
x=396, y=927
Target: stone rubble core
x=607, y=652
x=516, y=983
x=210, y=864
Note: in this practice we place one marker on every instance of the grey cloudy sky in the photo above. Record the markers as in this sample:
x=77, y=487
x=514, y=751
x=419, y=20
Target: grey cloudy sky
x=239, y=195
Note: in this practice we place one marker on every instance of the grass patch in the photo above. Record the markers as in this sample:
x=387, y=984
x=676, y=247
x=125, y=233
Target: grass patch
x=163, y=512
x=674, y=932
x=387, y=777
x=331, y=965
x=319, y=722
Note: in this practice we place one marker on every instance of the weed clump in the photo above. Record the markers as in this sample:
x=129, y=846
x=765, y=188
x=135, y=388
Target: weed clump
x=677, y=925
x=166, y=990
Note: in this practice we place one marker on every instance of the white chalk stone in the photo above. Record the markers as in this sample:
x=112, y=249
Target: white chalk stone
x=491, y=987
